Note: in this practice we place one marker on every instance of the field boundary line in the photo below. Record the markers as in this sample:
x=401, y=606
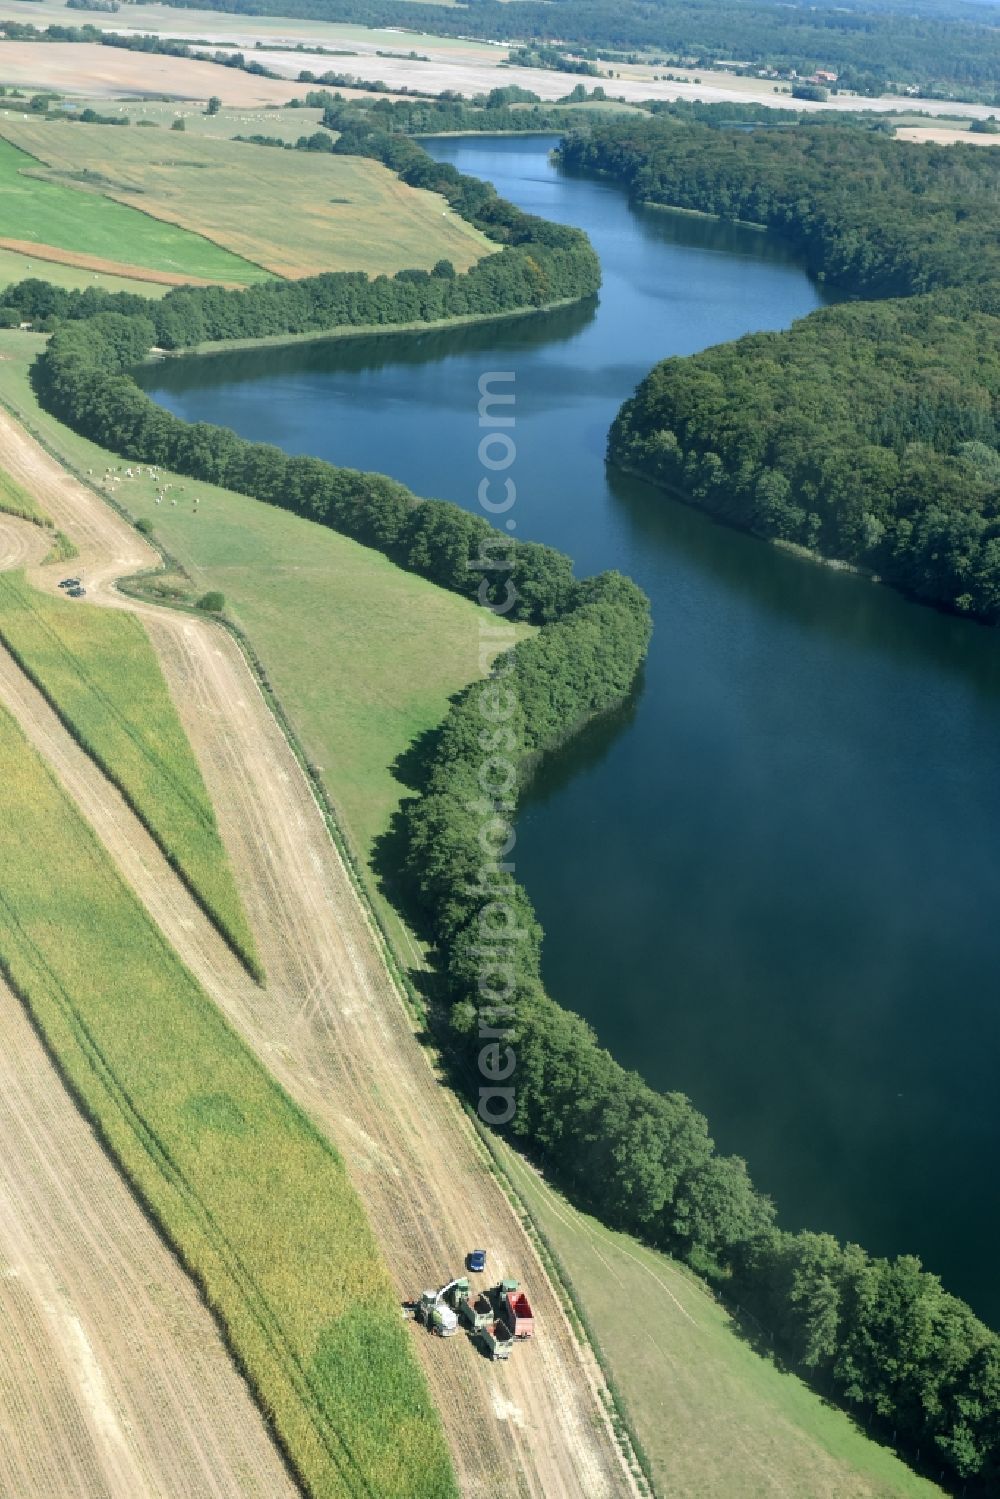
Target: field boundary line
x=626, y=1436
x=47, y=167
x=125, y=269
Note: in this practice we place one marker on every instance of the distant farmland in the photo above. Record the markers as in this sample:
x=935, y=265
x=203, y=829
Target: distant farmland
x=84, y=223
x=311, y=212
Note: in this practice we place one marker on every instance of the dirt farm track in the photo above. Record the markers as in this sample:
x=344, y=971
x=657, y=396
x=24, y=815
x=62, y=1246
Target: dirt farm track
x=333, y=1028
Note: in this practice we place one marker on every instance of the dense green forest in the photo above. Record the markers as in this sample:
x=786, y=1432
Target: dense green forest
x=948, y=46
x=867, y=431
x=872, y=214
x=882, y=1338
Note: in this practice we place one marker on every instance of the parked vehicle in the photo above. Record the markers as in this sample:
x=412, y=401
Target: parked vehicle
x=475, y=1261
x=497, y=1339
x=476, y=1314
x=516, y=1310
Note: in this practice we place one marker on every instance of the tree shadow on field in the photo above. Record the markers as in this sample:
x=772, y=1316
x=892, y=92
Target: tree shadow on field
x=411, y=769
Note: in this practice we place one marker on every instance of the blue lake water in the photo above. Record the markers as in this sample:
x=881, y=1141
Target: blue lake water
x=772, y=881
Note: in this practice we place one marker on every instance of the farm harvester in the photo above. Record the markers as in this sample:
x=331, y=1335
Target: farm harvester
x=494, y=1318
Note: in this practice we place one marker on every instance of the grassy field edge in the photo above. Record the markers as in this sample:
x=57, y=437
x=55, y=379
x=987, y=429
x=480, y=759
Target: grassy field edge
x=17, y=502
x=48, y=173
x=781, y=1396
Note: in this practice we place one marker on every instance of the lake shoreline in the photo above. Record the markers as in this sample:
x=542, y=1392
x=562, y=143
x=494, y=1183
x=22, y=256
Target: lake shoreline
x=355, y=330
x=768, y=741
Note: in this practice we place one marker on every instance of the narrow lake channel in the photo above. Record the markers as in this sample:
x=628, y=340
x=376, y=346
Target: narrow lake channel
x=773, y=881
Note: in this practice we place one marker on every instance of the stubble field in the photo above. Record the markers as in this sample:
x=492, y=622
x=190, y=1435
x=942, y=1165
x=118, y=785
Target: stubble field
x=256, y=1204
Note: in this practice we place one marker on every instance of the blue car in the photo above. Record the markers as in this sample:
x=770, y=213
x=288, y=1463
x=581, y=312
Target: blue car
x=476, y=1261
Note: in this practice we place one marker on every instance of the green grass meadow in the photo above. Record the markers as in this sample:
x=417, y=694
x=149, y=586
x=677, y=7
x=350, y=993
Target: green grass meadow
x=16, y=265
x=99, y=671
x=257, y=1205
x=86, y=223
x=715, y=1419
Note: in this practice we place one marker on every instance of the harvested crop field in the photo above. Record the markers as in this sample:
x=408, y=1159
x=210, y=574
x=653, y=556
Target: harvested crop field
x=114, y=1382
x=88, y=70
x=313, y=212
x=253, y=1200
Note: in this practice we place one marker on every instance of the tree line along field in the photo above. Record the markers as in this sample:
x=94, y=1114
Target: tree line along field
x=98, y=670
x=412, y=645
x=34, y=211
x=309, y=212
x=255, y=1202
x=393, y=647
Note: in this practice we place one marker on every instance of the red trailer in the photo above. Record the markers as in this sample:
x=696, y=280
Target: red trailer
x=518, y=1314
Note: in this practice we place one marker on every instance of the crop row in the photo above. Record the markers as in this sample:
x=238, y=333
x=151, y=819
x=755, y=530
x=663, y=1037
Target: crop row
x=98, y=671
x=255, y=1202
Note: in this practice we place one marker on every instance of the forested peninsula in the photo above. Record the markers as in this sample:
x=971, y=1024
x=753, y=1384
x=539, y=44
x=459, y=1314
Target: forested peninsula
x=881, y=1337
x=868, y=431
